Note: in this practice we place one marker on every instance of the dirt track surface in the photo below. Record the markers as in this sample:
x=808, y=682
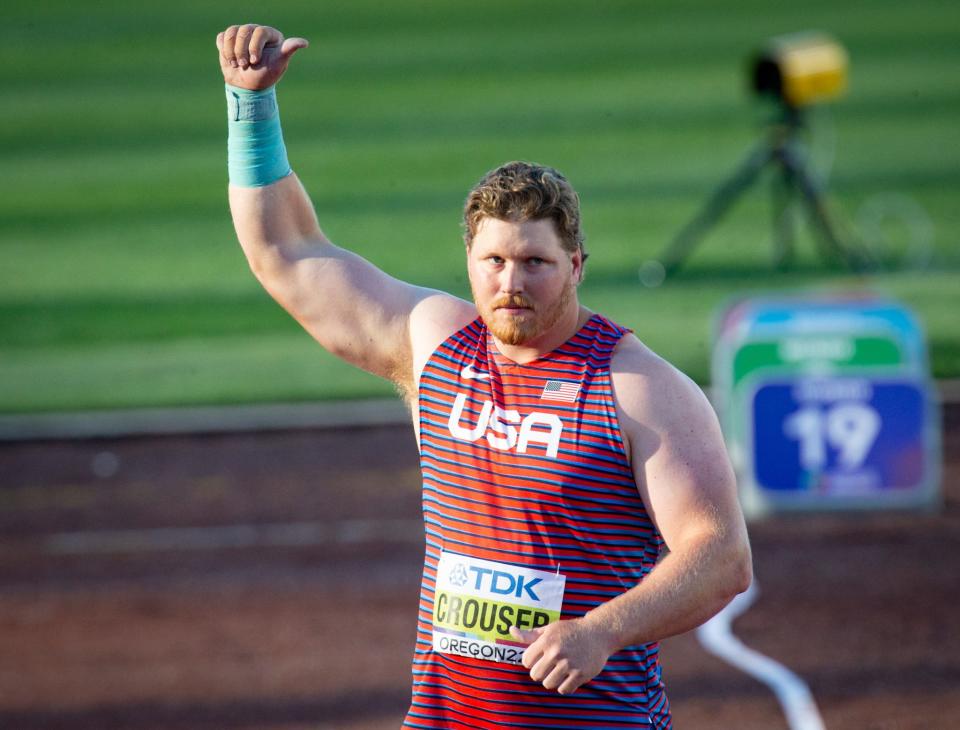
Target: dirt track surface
x=269, y=582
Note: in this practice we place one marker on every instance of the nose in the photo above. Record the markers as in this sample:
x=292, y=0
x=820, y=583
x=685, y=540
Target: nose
x=511, y=279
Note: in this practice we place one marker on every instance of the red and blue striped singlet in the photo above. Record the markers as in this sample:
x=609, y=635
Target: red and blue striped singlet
x=531, y=514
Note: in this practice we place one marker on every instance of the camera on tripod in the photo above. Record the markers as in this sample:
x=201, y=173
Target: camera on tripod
x=796, y=71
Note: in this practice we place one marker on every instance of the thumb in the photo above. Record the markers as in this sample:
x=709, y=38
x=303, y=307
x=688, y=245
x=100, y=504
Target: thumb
x=527, y=636
x=292, y=45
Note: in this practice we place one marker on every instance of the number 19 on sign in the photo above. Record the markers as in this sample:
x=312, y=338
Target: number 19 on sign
x=848, y=430
x=842, y=436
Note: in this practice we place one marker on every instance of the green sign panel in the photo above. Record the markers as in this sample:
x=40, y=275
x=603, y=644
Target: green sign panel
x=806, y=352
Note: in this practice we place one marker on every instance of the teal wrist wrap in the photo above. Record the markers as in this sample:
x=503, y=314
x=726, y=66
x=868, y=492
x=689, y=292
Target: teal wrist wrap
x=256, y=155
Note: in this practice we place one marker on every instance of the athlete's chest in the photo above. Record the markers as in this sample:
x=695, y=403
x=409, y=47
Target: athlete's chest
x=517, y=410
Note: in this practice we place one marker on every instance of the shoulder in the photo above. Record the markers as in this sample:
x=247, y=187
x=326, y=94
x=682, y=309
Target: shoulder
x=436, y=316
x=642, y=378
x=655, y=401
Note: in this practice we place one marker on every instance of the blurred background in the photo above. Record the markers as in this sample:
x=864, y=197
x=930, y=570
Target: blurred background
x=204, y=579
x=122, y=282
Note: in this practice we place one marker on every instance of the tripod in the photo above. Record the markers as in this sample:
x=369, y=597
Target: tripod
x=780, y=148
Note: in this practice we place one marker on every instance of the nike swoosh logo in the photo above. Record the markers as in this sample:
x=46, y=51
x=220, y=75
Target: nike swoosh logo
x=468, y=373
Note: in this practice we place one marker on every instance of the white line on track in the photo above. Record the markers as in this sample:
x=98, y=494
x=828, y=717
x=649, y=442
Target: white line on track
x=342, y=532
x=793, y=694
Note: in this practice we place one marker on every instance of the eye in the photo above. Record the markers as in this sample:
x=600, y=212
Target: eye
x=495, y=260
x=535, y=261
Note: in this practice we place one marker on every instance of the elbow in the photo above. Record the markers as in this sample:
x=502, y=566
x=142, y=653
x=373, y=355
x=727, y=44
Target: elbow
x=275, y=273
x=262, y=264
x=259, y=271
x=744, y=575
x=268, y=258
x=267, y=274
x=736, y=579
x=739, y=569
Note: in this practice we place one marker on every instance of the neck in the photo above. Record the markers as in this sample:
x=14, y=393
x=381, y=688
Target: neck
x=565, y=328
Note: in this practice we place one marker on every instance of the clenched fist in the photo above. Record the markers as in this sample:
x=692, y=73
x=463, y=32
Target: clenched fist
x=564, y=655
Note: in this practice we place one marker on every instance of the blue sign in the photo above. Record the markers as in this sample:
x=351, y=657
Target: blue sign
x=839, y=437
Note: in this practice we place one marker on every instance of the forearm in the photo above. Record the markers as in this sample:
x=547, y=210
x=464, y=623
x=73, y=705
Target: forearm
x=686, y=588
x=275, y=223
x=268, y=203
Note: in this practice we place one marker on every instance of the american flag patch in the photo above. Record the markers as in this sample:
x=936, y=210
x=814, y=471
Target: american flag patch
x=560, y=390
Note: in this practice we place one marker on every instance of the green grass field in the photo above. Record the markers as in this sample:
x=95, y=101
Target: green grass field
x=122, y=284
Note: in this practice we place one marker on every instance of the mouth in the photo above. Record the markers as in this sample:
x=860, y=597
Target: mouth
x=513, y=310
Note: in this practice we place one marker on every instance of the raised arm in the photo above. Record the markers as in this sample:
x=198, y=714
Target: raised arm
x=351, y=308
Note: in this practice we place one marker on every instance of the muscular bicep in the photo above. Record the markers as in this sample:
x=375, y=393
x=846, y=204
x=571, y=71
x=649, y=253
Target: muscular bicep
x=353, y=309
x=687, y=481
x=678, y=455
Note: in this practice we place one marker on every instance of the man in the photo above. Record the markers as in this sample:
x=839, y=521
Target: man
x=578, y=502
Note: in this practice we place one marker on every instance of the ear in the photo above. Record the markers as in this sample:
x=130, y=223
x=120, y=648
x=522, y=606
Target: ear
x=577, y=260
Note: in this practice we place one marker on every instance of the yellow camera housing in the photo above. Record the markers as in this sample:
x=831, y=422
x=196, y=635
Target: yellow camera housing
x=801, y=69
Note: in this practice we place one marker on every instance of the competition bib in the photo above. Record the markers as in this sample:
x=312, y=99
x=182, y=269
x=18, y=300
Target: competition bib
x=477, y=601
